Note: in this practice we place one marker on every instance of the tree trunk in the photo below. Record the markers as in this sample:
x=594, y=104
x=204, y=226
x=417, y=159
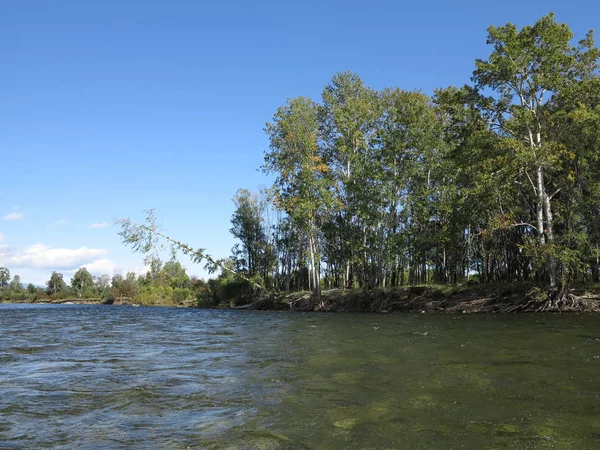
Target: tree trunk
x=550, y=235
x=314, y=265
x=545, y=234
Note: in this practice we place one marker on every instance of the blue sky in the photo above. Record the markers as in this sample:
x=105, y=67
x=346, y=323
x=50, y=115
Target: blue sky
x=110, y=108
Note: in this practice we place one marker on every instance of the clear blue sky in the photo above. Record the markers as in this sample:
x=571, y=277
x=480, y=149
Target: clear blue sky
x=108, y=108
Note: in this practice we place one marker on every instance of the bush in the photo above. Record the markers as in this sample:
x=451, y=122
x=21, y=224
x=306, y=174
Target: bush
x=235, y=291
x=206, y=300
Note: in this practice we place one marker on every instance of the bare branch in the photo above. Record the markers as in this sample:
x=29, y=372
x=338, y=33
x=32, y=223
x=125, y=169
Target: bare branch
x=532, y=184
x=522, y=224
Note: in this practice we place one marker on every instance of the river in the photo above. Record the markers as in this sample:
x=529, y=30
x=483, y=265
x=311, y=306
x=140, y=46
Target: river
x=117, y=377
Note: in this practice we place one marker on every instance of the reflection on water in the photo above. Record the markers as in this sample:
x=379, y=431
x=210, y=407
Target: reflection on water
x=105, y=377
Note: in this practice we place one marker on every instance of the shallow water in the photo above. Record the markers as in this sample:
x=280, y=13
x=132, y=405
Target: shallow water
x=116, y=377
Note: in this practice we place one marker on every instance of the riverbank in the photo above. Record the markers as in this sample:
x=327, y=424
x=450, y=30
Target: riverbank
x=501, y=298
x=455, y=299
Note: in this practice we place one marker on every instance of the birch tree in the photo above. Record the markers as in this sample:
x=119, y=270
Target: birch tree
x=525, y=68
x=302, y=187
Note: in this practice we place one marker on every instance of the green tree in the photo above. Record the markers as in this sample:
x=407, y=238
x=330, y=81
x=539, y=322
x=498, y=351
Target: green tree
x=56, y=284
x=524, y=69
x=174, y=275
x=129, y=286
x=145, y=237
x=411, y=181
x=103, y=281
x=575, y=127
x=247, y=226
x=477, y=165
x=155, y=269
x=15, y=285
x=4, y=277
x=302, y=187
x=351, y=116
x=117, y=283
x=81, y=281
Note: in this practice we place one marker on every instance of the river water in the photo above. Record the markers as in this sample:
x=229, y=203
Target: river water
x=117, y=377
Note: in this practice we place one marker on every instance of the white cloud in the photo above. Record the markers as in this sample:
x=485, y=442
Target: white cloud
x=44, y=257
x=100, y=267
x=98, y=225
x=13, y=216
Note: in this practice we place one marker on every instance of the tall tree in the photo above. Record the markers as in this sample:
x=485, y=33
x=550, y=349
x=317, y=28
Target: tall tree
x=174, y=274
x=56, y=284
x=351, y=112
x=302, y=186
x=15, y=285
x=102, y=282
x=575, y=127
x=4, y=276
x=130, y=285
x=81, y=281
x=525, y=67
x=410, y=164
x=248, y=228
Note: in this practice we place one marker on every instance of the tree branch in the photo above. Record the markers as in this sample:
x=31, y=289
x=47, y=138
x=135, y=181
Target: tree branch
x=556, y=192
x=143, y=238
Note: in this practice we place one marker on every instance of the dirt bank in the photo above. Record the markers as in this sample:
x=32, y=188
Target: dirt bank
x=439, y=299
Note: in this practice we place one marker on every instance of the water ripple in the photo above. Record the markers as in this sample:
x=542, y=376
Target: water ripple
x=98, y=377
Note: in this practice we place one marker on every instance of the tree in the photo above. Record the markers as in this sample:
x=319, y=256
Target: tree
x=117, y=283
x=130, y=285
x=524, y=69
x=102, y=285
x=154, y=273
x=102, y=282
x=351, y=113
x=482, y=192
x=4, y=276
x=15, y=285
x=56, y=284
x=302, y=187
x=81, y=281
x=174, y=275
x=575, y=127
x=411, y=176
x=248, y=228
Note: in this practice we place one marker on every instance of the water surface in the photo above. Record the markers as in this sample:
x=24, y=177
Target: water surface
x=108, y=377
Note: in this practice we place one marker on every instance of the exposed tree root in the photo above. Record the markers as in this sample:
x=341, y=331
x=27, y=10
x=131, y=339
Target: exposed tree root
x=557, y=300
x=454, y=300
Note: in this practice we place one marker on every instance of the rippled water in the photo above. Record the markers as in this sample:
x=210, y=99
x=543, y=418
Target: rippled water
x=106, y=377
